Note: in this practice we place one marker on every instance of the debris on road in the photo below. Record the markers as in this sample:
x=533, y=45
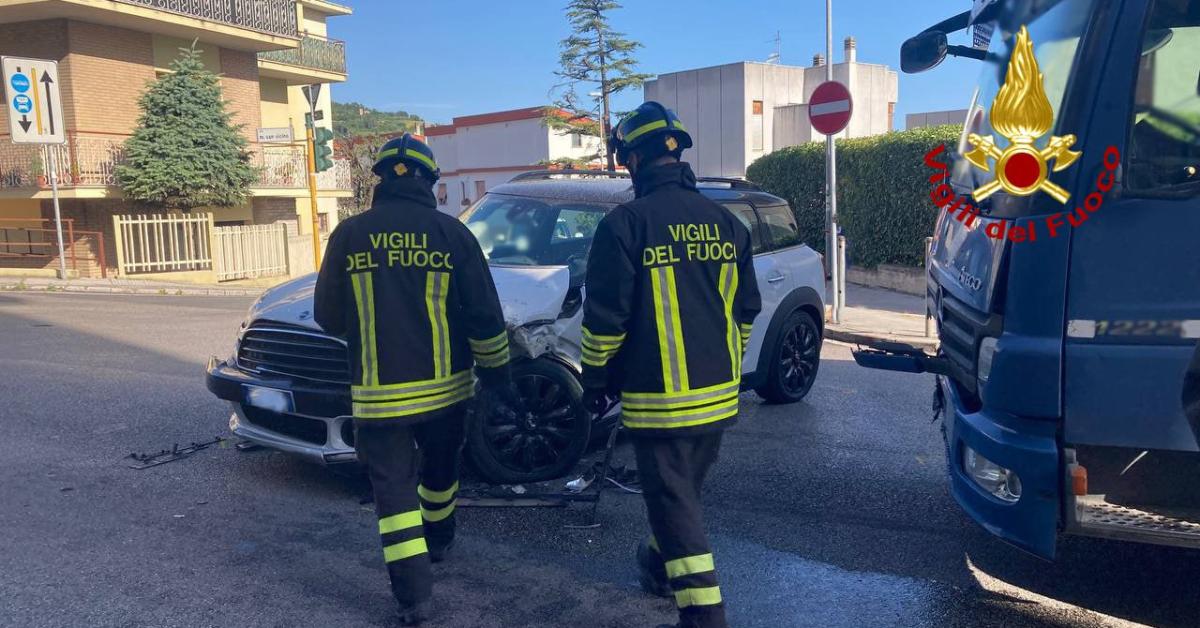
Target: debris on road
x=145, y=461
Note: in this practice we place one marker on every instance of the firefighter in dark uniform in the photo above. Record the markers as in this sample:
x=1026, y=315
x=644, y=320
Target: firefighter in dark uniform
x=671, y=297
x=409, y=288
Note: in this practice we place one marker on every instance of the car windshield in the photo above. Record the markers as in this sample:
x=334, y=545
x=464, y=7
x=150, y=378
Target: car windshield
x=1056, y=27
x=523, y=231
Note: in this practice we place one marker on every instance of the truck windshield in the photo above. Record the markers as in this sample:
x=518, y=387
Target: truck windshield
x=1056, y=27
x=523, y=231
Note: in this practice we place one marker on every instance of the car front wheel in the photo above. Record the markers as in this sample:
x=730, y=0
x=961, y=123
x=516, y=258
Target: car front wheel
x=545, y=442
x=794, y=360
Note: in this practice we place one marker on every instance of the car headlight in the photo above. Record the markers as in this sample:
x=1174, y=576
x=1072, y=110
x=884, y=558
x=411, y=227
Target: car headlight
x=1002, y=483
x=983, y=365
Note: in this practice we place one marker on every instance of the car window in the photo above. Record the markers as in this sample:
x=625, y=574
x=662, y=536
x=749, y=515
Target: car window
x=780, y=225
x=1164, y=151
x=745, y=213
x=521, y=231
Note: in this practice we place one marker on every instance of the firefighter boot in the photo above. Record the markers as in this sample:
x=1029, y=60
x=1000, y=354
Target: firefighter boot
x=652, y=572
x=414, y=614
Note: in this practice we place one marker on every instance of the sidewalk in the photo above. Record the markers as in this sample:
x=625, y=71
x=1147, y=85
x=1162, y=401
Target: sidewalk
x=127, y=286
x=873, y=314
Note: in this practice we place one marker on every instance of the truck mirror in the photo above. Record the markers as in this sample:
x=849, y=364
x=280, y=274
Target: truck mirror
x=923, y=52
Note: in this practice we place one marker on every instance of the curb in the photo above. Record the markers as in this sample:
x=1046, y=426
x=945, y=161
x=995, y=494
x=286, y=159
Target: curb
x=862, y=338
x=164, y=292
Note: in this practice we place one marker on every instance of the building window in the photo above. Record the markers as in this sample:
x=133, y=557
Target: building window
x=576, y=140
x=441, y=194
x=323, y=222
x=756, y=125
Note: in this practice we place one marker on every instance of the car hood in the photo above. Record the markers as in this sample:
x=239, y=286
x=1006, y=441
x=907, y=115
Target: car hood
x=527, y=295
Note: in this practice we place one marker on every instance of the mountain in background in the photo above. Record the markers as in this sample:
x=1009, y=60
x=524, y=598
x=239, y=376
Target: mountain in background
x=353, y=119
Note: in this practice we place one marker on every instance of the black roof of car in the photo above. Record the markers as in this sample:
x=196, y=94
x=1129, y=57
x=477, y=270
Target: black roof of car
x=615, y=188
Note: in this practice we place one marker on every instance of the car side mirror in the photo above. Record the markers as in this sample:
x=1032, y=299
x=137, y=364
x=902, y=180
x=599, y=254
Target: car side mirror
x=923, y=52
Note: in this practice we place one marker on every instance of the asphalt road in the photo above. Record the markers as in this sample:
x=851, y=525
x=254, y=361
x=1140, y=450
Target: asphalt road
x=831, y=512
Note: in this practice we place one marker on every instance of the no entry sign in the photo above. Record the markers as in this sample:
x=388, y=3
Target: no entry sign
x=830, y=107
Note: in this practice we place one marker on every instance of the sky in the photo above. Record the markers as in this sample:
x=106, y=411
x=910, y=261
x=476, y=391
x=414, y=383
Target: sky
x=461, y=57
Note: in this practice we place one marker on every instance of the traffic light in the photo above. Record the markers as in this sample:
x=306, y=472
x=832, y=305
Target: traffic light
x=322, y=149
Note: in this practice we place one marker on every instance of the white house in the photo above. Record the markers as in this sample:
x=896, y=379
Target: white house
x=479, y=152
x=739, y=112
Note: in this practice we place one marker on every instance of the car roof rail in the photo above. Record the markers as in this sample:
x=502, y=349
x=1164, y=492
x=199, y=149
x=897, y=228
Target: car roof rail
x=543, y=175
x=737, y=184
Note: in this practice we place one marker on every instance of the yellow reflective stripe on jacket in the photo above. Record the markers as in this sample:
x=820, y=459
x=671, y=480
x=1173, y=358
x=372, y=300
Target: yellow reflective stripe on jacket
x=728, y=284
x=599, y=349
x=745, y=329
x=438, y=514
x=437, y=497
x=665, y=399
x=407, y=549
x=364, y=301
x=402, y=521
x=689, y=565
x=407, y=390
x=490, y=353
x=670, y=330
x=701, y=596
x=415, y=405
x=421, y=158
x=437, y=286
x=658, y=414
x=489, y=345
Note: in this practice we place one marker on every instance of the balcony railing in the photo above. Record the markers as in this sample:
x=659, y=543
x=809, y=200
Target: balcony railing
x=314, y=52
x=276, y=17
x=85, y=161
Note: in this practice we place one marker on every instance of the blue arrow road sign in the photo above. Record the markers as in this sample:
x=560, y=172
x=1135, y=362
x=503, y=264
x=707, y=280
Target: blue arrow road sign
x=22, y=103
x=20, y=82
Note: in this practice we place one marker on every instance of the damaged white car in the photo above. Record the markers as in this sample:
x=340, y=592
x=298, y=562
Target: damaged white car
x=288, y=381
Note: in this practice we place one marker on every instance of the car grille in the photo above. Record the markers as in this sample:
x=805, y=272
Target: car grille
x=301, y=428
x=294, y=353
x=959, y=328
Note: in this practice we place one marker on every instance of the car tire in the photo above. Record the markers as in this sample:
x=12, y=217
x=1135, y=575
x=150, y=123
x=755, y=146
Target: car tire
x=547, y=443
x=794, y=360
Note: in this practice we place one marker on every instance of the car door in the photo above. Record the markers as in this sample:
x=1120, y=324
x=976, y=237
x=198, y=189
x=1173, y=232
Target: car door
x=772, y=278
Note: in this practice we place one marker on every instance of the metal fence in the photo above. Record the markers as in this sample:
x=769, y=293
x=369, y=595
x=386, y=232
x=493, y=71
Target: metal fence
x=33, y=243
x=277, y=17
x=313, y=52
x=250, y=251
x=161, y=243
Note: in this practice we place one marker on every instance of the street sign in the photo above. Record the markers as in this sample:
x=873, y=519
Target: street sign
x=312, y=93
x=830, y=107
x=33, y=101
x=275, y=134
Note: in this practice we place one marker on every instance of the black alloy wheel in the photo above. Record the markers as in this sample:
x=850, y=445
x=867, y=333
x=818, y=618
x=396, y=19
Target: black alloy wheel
x=543, y=443
x=795, y=360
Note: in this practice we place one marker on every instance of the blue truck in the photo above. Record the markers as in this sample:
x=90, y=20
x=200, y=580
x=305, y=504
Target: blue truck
x=1062, y=355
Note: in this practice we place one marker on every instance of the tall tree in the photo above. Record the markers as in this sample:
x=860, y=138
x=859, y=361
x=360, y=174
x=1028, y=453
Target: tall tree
x=601, y=61
x=186, y=152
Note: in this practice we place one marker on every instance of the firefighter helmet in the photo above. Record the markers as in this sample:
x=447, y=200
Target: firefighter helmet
x=651, y=130
x=401, y=154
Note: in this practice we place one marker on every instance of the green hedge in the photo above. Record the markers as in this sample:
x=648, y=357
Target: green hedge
x=883, y=192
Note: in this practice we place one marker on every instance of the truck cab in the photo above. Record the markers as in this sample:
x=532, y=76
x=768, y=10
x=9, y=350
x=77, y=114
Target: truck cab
x=1063, y=353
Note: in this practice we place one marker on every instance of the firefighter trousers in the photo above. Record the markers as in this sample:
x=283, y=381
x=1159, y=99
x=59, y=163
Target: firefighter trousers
x=672, y=471
x=413, y=469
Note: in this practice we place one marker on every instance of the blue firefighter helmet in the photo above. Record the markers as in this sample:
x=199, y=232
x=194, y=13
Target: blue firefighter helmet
x=401, y=155
x=651, y=130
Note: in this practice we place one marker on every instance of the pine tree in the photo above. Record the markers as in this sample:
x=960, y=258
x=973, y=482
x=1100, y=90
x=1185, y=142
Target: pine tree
x=186, y=152
x=594, y=55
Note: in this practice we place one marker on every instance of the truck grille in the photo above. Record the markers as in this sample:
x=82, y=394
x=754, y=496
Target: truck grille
x=959, y=328
x=294, y=353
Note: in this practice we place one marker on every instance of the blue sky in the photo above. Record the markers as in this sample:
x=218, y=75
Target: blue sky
x=453, y=58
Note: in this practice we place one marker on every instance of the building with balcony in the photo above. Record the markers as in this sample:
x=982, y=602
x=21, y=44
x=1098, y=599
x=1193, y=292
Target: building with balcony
x=109, y=50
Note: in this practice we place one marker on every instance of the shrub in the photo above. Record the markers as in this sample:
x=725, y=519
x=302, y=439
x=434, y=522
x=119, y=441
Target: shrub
x=883, y=192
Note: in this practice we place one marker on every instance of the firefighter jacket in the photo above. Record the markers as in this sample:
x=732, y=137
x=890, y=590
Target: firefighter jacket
x=409, y=288
x=671, y=297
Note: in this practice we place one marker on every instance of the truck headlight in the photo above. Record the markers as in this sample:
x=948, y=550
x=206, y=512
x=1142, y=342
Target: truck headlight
x=1001, y=482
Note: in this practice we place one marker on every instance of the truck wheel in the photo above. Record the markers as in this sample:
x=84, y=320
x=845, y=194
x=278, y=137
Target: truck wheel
x=544, y=444
x=794, y=360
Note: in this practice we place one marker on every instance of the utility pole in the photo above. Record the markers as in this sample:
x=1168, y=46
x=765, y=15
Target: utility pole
x=833, y=256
